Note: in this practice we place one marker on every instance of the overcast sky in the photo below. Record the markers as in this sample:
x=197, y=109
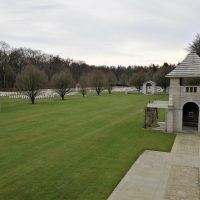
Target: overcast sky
x=103, y=32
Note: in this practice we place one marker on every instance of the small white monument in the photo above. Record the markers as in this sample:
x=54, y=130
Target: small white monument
x=149, y=86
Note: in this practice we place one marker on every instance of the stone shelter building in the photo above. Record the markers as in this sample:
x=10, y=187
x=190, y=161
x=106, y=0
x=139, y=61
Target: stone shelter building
x=182, y=109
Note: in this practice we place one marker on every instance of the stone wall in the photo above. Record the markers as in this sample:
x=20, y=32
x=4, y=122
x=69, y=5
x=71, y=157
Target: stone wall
x=151, y=117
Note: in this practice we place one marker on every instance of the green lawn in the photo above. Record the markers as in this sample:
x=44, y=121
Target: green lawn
x=76, y=149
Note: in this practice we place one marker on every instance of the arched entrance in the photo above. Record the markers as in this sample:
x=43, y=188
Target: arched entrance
x=149, y=87
x=190, y=116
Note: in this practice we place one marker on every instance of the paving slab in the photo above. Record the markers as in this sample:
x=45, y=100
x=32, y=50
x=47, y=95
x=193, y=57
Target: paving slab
x=164, y=176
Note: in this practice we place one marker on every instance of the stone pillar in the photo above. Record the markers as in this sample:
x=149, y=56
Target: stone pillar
x=170, y=119
x=153, y=88
x=144, y=88
x=199, y=123
x=166, y=112
x=178, y=117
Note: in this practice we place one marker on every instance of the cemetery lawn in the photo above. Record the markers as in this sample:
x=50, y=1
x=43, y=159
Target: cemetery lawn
x=77, y=149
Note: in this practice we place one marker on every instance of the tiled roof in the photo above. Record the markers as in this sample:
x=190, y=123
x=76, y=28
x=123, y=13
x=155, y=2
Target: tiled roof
x=189, y=67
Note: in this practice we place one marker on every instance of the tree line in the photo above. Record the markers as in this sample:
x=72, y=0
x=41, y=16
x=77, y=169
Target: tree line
x=14, y=60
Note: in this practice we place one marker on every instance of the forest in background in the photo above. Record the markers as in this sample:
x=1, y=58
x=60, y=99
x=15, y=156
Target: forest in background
x=14, y=60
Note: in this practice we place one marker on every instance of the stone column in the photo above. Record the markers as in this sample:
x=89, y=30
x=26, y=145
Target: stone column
x=170, y=119
x=153, y=88
x=178, y=120
x=199, y=123
x=144, y=89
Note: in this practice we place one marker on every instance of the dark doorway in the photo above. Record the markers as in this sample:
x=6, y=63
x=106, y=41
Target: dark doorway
x=190, y=115
x=148, y=88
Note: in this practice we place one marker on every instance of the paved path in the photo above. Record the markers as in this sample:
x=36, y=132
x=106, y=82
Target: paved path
x=164, y=176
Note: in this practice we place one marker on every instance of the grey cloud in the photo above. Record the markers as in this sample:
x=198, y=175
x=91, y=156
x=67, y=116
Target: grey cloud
x=103, y=32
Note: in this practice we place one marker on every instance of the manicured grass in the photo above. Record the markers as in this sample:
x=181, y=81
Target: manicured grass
x=79, y=148
x=161, y=114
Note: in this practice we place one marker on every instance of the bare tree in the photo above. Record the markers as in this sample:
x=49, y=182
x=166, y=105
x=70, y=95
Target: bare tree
x=124, y=80
x=30, y=81
x=159, y=76
x=4, y=60
x=111, y=81
x=83, y=84
x=98, y=81
x=137, y=80
x=195, y=46
x=62, y=82
x=4, y=47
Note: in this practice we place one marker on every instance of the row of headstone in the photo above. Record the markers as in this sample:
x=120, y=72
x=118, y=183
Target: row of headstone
x=6, y=94
x=21, y=96
x=147, y=90
x=49, y=93
x=18, y=96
